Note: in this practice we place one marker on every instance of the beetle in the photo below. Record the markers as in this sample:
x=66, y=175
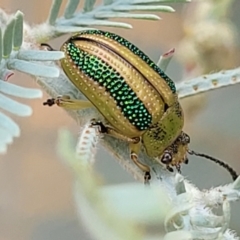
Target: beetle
x=137, y=99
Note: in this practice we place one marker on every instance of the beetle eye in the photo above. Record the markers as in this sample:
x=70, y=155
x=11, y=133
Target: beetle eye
x=166, y=158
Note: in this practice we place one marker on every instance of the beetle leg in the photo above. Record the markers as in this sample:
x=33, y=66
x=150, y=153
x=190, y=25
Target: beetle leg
x=178, y=167
x=105, y=129
x=135, y=149
x=68, y=103
x=134, y=145
x=170, y=169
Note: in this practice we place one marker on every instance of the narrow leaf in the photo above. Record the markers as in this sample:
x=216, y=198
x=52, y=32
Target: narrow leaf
x=3, y=148
x=71, y=8
x=143, y=8
x=15, y=90
x=208, y=82
x=38, y=55
x=104, y=15
x=107, y=2
x=158, y=1
x=18, y=31
x=236, y=184
x=33, y=68
x=1, y=45
x=88, y=5
x=165, y=59
x=8, y=124
x=226, y=209
x=102, y=23
x=5, y=74
x=54, y=11
x=5, y=136
x=14, y=107
x=8, y=39
x=71, y=29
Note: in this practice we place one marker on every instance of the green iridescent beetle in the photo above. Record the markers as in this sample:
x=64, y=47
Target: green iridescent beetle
x=137, y=99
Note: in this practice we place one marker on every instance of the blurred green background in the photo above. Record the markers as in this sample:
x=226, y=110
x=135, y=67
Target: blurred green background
x=36, y=201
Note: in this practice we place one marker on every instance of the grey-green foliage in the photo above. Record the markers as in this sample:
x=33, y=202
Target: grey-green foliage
x=90, y=15
x=191, y=208
x=88, y=5
x=12, y=57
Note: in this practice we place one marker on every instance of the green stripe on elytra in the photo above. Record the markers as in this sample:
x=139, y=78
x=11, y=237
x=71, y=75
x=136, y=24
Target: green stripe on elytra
x=98, y=70
x=136, y=51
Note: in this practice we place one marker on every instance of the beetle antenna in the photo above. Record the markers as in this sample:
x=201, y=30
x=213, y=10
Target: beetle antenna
x=221, y=163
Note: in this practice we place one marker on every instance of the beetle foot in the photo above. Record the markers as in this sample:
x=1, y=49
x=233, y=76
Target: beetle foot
x=60, y=101
x=147, y=178
x=101, y=127
x=50, y=102
x=178, y=167
x=170, y=169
